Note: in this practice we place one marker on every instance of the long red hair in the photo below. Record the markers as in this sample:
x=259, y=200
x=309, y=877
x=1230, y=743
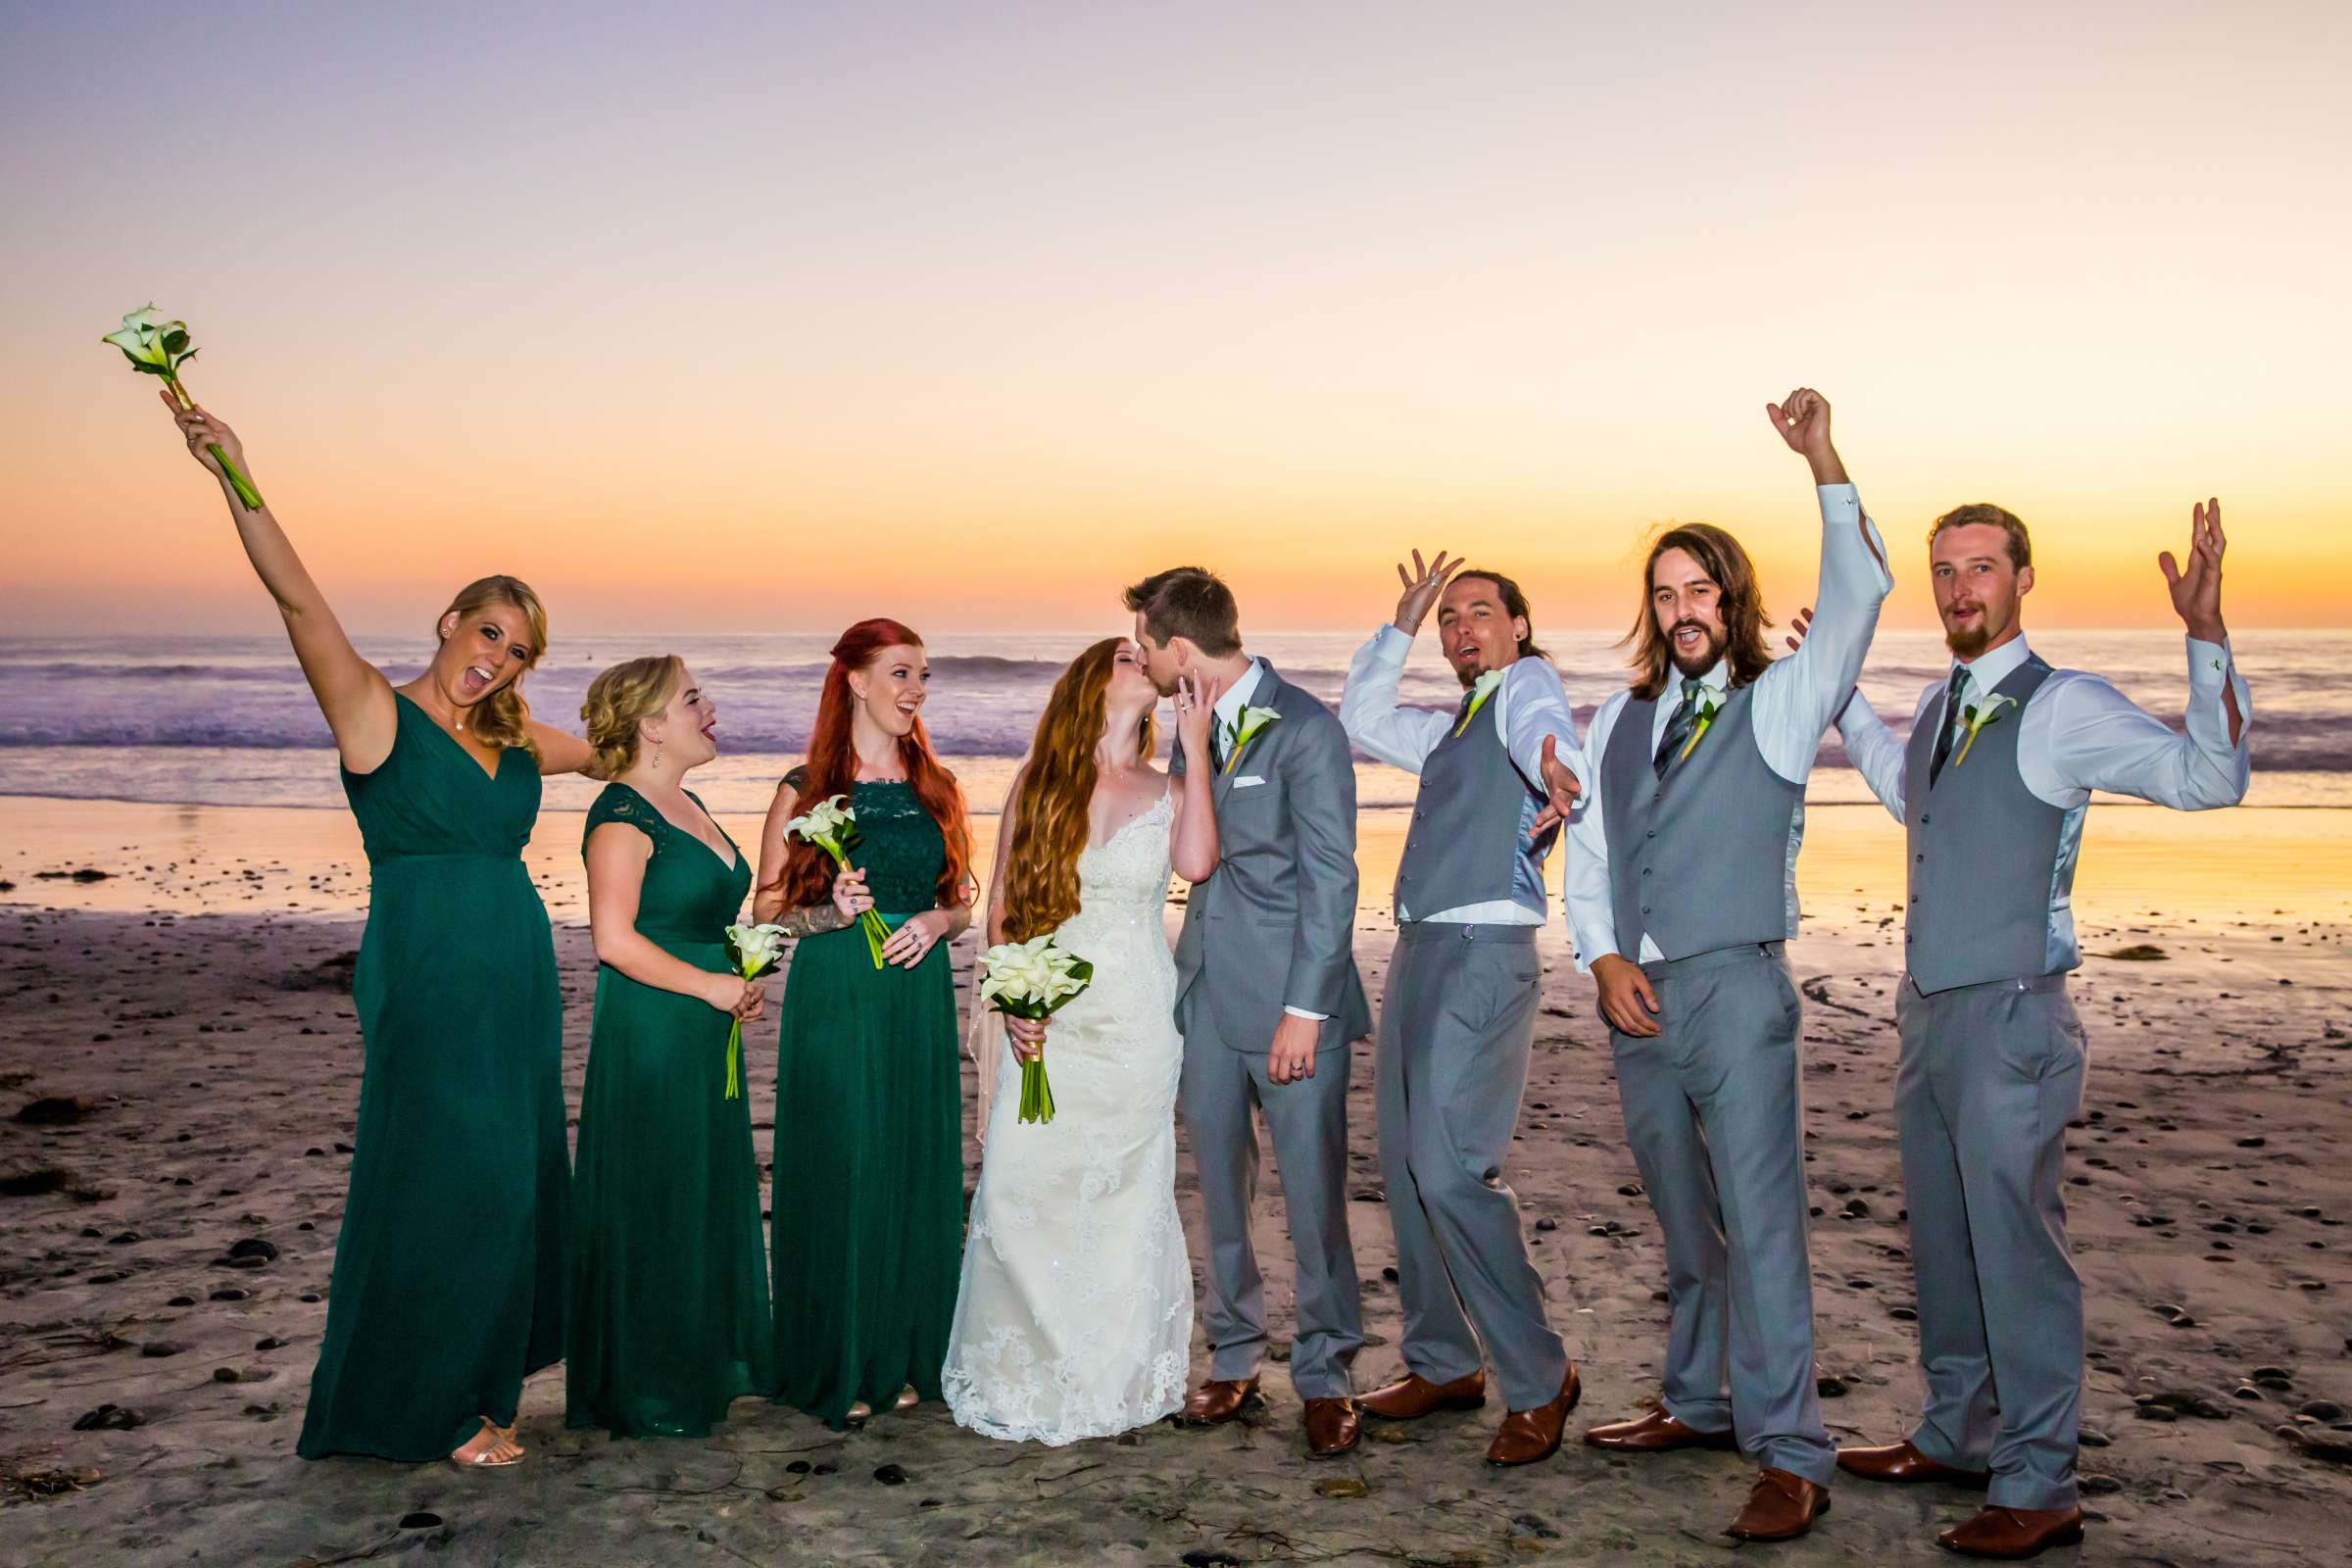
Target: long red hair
x=831, y=769
x=1051, y=829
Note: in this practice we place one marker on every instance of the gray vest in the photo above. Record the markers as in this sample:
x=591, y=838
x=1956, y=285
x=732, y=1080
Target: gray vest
x=1700, y=859
x=1985, y=868
x=1463, y=846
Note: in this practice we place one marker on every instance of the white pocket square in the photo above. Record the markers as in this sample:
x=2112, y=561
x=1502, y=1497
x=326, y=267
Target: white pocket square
x=1248, y=779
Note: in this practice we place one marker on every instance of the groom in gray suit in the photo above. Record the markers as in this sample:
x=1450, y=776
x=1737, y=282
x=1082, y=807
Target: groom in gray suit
x=1267, y=1000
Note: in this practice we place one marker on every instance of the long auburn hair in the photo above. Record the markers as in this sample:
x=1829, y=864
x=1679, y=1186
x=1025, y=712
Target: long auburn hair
x=1740, y=602
x=831, y=769
x=1050, y=827
x=503, y=718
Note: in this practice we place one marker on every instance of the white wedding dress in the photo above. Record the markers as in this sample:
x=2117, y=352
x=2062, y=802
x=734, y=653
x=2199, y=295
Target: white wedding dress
x=1075, y=1316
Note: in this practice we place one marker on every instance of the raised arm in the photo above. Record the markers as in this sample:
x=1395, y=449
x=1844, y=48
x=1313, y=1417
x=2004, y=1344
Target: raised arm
x=352, y=693
x=616, y=856
x=1797, y=697
x=1376, y=726
x=2099, y=739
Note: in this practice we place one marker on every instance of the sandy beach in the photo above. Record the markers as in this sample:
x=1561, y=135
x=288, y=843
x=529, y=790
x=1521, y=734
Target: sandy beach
x=179, y=1066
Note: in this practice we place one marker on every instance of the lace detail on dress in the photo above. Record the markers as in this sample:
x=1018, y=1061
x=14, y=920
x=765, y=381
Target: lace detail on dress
x=1075, y=1317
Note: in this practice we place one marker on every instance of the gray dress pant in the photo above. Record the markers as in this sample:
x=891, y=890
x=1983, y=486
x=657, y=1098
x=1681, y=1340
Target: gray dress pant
x=1713, y=1110
x=1989, y=1078
x=1308, y=1122
x=1457, y=1024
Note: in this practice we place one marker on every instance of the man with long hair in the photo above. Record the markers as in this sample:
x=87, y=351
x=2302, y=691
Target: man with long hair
x=1991, y=788
x=1267, y=1000
x=1457, y=1023
x=1682, y=889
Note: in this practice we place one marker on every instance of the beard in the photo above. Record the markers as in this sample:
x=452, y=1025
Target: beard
x=1710, y=650
x=1967, y=641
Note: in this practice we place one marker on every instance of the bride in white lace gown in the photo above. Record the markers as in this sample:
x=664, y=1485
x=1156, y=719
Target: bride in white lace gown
x=1075, y=1316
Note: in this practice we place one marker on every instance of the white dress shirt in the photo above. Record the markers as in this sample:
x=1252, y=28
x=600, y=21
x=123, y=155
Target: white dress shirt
x=2080, y=734
x=1529, y=706
x=1795, y=699
x=1225, y=720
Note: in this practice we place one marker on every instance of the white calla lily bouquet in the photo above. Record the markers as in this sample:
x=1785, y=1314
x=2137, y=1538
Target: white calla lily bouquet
x=755, y=950
x=160, y=348
x=1031, y=980
x=831, y=825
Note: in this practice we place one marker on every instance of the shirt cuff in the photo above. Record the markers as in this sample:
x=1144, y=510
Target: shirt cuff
x=1301, y=1013
x=2212, y=668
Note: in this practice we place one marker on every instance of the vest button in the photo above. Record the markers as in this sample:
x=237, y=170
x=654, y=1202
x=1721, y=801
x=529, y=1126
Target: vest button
x=1646, y=870
x=1646, y=908
x=1654, y=833
x=1919, y=857
x=1923, y=819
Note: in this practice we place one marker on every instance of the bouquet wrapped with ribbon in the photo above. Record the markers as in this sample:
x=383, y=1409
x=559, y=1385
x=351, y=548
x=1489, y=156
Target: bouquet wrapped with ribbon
x=755, y=950
x=160, y=348
x=1031, y=980
x=832, y=827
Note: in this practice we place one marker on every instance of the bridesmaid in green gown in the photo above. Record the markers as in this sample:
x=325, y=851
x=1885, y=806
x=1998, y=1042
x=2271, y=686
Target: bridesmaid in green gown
x=448, y=1284
x=868, y=1196
x=668, y=1319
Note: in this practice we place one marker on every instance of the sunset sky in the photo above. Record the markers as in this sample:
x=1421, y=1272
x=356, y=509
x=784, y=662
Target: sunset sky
x=710, y=318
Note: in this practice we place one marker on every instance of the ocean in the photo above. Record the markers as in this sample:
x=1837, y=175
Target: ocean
x=227, y=720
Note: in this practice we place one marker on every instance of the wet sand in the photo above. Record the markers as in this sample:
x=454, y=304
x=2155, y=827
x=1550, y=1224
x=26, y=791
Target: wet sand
x=192, y=1006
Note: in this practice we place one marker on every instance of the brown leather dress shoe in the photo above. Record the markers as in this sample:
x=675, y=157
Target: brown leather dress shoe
x=1780, y=1508
x=1215, y=1403
x=1416, y=1396
x=1656, y=1433
x=1331, y=1426
x=1529, y=1435
x=1899, y=1461
x=2014, y=1533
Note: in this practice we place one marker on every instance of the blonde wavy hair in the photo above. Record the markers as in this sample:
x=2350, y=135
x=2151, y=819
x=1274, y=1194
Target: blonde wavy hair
x=1050, y=827
x=619, y=701
x=503, y=718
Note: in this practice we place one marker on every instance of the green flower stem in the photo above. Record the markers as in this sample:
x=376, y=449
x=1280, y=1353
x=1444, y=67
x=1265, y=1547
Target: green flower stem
x=735, y=1061
x=1037, y=1094
x=876, y=934
x=237, y=481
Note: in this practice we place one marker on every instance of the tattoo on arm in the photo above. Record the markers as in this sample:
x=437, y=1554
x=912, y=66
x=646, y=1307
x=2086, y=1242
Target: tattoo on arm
x=813, y=921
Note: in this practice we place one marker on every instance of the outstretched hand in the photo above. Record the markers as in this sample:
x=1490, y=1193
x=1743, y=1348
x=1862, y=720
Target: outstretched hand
x=1803, y=421
x=1422, y=585
x=1799, y=625
x=202, y=431
x=2196, y=588
x=1561, y=786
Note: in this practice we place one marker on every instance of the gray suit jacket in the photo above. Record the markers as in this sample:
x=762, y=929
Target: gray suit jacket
x=1275, y=927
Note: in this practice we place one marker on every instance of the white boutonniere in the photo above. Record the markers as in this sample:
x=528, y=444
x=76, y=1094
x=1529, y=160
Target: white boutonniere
x=1479, y=690
x=1978, y=714
x=1253, y=722
x=1708, y=708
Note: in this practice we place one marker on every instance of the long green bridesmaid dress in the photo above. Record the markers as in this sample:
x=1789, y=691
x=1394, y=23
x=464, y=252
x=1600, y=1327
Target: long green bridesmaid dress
x=670, y=1318
x=448, y=1287
x=868, y=1194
